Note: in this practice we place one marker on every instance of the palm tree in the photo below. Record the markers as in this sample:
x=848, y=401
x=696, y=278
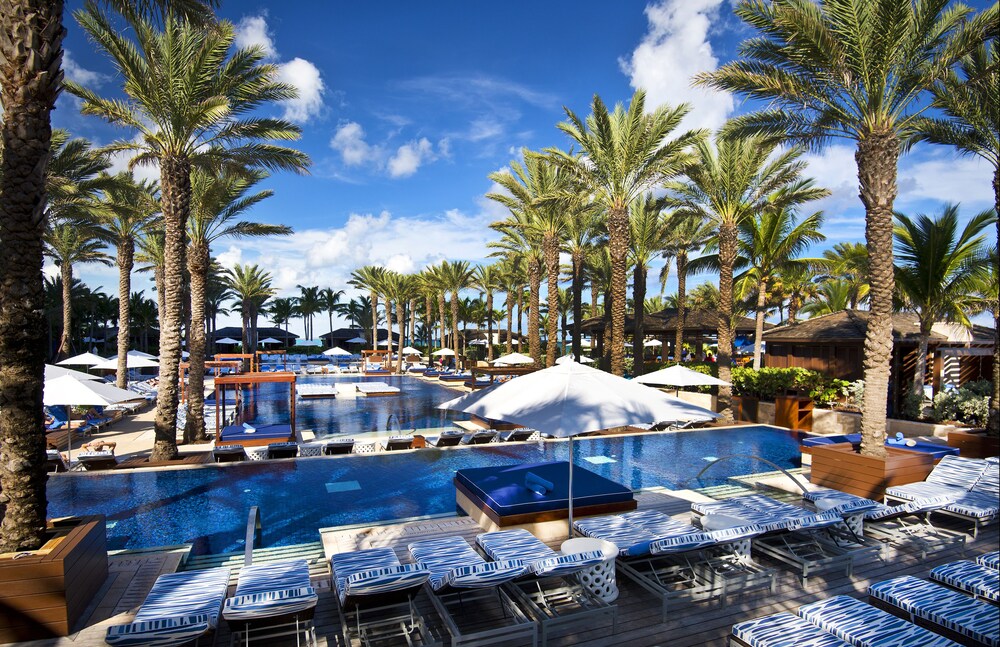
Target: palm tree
x=625, y=154
x=151, y=252
x=217, y=201
x=367, y=278
x=511, y=280
x=308, y=305
x=329, y=300
x=190, y=102
x=969, y=122
x=486, y=279
x=521, y=245
x=281, y=311
x=857, y=69
x=733, y=181
x=581, y=233
x=144, y=317
x=456, y=276
x=687, y=234
x=649, y=233
x=251, y=287
x=937, y=271
x=797, y=284
x=832, y=295
x=847, y=262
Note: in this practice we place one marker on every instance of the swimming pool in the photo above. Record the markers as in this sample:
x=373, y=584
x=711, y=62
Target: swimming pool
x=208, y=506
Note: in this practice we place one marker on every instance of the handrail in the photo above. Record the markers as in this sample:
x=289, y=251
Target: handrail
x=254, y=535
x=763, y=460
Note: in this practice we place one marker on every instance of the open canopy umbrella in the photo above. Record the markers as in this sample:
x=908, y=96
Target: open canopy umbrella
x=336, y=350
x=569, y=358
x=514, y=359
x=67, y=391
x=228, y=341
x=651, y=343
x=139, y=353
x=679, y=376
x=410, y=350
x=442, y=352
x=52, y=371
x=84, y=359
x=357, y=340
x=130, y=362
x=269, y=340
x=570, y=399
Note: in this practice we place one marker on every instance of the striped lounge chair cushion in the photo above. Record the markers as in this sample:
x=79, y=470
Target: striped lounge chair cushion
x=957, y=471
x=453, y=563
x=816, y=521
x=542, y=561
x=658, y=523
x=373, y=571
x=978, y=505
x=179, y=607
x=975, y=619
x=924, y=490
x=631, y=540
x=682, y=543
x=268, y=590
x=989, y=481
x=981, y=581
x=885, y=512
x=991, y=560
x=784, y=630
x=766, y=504
x=865, y=626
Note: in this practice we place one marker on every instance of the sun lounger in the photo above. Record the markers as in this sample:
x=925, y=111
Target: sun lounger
x=482, y=437
x=339, y=446
x=991, y=560
x=946, y=612
x=977, y=580
x=272, y=600
x=95, y=461
x=181, y=607
x=981, y=504
x=467, y=593
x=447, y=439
x=866, y=626
x=282, y=450
x=516, y=435
x=376, y=596
x=782, y=630
x=54, y=461
x=229, y=454
x=395, y=443
x=953, y=476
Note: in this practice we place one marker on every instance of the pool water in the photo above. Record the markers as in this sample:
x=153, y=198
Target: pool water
x=208, y=506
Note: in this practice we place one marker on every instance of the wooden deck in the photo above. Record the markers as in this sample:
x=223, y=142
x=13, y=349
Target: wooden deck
x=639, y=614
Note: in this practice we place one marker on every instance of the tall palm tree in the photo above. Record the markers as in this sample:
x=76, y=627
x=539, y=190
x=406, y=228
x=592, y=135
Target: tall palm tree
x=367, y=278
x=848, y=262
x=860, y=70
x=797, y=284
x=970, y=122
x=281, y=311
x=581, y=234
x=144, y=317
x=217, y=203
x=511, y=280
x=251, y=287
x=486, y=279
x=329, y=300
x=625, y=154
x=456, y=275
x=309, y=305
x=734, y=180
x=687, y=234
x=151, y=252
x=649, y=234
x=937, y=271
x=190, y=101
x=832, y=295
x=521, y=245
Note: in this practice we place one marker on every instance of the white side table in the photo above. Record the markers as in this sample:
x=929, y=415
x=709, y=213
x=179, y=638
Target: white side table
x=600, y=579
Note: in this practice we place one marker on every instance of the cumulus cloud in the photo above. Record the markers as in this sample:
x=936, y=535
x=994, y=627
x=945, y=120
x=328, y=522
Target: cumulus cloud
x=306, y=79
x=675, y=47
x=83, y=76
x=252, y=31
x=349, y=141
x=409, y=157
x=942, y=177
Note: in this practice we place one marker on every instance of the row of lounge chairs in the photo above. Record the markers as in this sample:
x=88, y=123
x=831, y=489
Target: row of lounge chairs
x=953, y=609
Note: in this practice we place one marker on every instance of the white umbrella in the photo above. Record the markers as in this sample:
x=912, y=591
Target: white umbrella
x=336, y=350
x=679, y=376
x=410, y=350
x=570, y=399
x=228, y=341
x=52, y=371
x=442, y=352
x=139, y=353
x=569, y=358
x=84, y=359
x=67, y=391
x=269, y=340
x=357, y=340
x=513, y=359
x=651, y=343
x=131, y=361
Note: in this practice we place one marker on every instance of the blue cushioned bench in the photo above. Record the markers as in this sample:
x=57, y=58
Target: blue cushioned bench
x=262, y=435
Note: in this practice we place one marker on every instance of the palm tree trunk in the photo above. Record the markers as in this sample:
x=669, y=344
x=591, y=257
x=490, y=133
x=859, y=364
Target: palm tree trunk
x=682, y=261
x=877, y=157
x=388, y=324
x=454, y=325
x=66, y=272
x=245, y=324
x=727, y=258
x=374, y=298
x=618, y=243
x=577, y=260
x=413, y=321
x=199, y=261
x=920, y=370
x=551, y=246
x=428, y=323
x=510, y=323
x=520, y=316
x=444, y=328
x=993, y=422
x=125, y=261
x=758, y=331
x=793, y=308
x=489, y=325
x=30, y=79
x=534, y=287
x=606, y=335
x=175, y=183
x=638, y=323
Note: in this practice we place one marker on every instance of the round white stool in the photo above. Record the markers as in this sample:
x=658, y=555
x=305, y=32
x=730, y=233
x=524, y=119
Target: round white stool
x=600, y=579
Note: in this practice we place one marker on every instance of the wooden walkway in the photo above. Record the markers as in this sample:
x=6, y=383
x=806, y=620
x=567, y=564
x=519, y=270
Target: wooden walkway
x=639, y=614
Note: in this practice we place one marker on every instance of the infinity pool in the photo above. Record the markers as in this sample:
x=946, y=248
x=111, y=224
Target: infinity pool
x=208, y=506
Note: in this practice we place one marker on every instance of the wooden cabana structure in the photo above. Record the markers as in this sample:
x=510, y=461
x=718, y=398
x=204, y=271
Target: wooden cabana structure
x=252, y=358
x=373, y=357
x=234, y=365
x=239, y=433
x=262, y=353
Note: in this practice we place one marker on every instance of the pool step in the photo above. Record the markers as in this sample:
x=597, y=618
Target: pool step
x=311, y=552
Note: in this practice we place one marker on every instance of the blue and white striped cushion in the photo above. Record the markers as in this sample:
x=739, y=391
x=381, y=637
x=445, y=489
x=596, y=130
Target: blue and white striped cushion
x=631, y=540
x=784, y=630
x=865, y=626
x=981, y=581
x=521, y=545
x=373, y=571
x=816, y=521
x=776, y=508
x=992, y=560
x=850, y=508
x=957, y=471
x=728, y=506
x=267, y=590
x=989, y=481
x=658, y=524
x=739, y=533
x=975, y=619
x=734, y=508
x=263, y=578
x=154, y=633
x=919, y=506
x=820, y=492
x=344, y=565
x=682, y=543
x=453, y=563
x=924, y=490
x=562, y=565
x=978, y=505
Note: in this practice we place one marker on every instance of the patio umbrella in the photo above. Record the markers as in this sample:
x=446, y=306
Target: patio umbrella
x=650, y=343
x=569, y=358
x=52, y=371
x=570, y=399
x=228, y=341
x=139, y=353
x=84, y=359
x=336, y=350
x=678, y=376
x=67, y=391
x=442, y=352
x=357, y=340
x=131, y=361
x=410, y=350
x=514, y=359
x=269, y=340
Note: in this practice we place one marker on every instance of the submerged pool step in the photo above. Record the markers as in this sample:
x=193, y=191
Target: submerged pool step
x=311, y=552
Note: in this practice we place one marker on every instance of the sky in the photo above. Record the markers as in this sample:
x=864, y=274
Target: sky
x=406, y=108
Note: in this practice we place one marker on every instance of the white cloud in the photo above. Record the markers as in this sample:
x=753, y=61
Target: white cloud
x=306, y=79
x=409, y=157
x=85, y=77
x=943, y=177
x=675, y=47
x=252, y=31
x=349, y=141
x=231, y=257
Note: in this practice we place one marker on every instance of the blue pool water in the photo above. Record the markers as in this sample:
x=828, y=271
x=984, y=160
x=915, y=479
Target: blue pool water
x=208, y=506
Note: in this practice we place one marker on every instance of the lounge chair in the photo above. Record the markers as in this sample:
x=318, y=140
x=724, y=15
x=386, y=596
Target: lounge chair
x=181, y=607
x=282, y=450
x=229, y=454
x=991, y=560
x=376, y=596
x=395, y=443
x=953, y=476
x=946, y=612
x=54, y=461
x=448, y=439
x=981, y=504
x=516, y=435
x=550, y=591
x=976, y=579
x=482, y=437
x=782, y=629
x=272, y=600
x=467, y=593
x=339, y=446
x=864, y=625
x=95, y=461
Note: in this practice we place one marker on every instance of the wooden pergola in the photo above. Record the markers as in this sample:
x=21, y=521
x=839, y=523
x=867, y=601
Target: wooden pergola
x=216, y=367
x=219, y=357
x=262, y=353
x=246, y=380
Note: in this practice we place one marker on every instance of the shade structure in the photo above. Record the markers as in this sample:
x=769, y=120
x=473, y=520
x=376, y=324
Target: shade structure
x=68, y=391
x=131, y=361
x=83, y=359
x=139, y=353
x=514, y=359
x=228, y=341
x=442, y=352
x=678, y=376
x=569, y=358
x=52, y=371
x=357, y=340
x=336, y=350
x=410, y=350
x=570, y=399
x=650, y=343
x=269, y=340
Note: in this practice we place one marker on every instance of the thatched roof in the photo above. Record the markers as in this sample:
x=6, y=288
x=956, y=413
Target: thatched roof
x=665, y=321
x=846, y=325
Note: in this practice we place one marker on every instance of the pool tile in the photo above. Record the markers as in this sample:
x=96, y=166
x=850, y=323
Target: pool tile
x=342, y=486
x=599, y=460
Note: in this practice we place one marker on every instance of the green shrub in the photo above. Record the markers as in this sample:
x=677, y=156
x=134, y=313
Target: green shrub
x=769, y=382
x=911, y=408
x=968, y=405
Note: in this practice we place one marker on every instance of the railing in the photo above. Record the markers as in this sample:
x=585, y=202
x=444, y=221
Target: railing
x=755, y=457
x=254, y=535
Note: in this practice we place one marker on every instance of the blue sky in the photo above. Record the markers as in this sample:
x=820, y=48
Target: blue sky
x=406, y=108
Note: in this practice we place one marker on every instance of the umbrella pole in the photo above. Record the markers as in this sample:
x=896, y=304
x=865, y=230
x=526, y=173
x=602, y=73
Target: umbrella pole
x=69, y=437
x=570, y=533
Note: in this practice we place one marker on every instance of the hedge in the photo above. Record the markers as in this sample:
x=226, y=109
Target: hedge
x=768, y=383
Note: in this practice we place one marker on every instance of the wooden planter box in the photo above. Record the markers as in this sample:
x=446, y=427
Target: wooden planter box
x=744, y=408
x=45, y=593
x=841, y=468
x=974, y=445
